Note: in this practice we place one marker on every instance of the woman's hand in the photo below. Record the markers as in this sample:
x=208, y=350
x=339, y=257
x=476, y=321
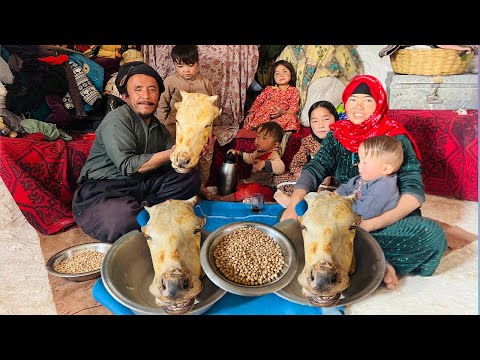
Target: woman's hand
x=405, y=206
x=368, y=225
x=290, y=213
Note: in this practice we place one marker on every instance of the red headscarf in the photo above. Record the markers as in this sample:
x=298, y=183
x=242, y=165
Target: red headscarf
x=351, y=135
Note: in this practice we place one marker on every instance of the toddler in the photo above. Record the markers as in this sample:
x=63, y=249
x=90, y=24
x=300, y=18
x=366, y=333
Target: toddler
x=266, y=161
x=376, y=185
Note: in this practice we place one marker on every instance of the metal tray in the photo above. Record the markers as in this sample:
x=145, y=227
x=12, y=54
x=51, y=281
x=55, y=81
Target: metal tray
x=127, y=273
x=69, y=252
x=369, y=266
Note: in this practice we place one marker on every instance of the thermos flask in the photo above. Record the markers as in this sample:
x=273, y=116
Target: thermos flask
x=228, y=176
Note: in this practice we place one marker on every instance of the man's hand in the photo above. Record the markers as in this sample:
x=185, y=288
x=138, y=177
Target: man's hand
x=208, y=147
x=157, y=160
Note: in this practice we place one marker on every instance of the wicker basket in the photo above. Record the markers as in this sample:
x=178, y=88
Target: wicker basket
x=429, y=62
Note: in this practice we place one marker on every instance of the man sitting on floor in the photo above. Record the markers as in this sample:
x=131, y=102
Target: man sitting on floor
x=129, y=164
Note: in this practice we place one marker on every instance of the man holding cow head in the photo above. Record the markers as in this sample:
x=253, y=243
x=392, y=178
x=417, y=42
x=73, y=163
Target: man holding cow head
x=129, y=163
x=188, y=79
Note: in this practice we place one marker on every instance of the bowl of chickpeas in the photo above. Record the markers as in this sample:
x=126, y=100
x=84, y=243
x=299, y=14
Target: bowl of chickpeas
x=80, y=262
x=249, y=258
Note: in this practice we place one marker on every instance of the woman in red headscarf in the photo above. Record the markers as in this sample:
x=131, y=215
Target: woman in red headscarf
x=411, y=243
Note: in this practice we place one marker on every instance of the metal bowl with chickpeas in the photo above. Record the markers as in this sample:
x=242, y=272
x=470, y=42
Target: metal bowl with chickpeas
x=249, y=258
x=80, y=262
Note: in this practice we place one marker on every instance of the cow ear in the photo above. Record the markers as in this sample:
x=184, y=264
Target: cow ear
x=192, y=201
x=311, y=196
x=184, y=94
x=213, y=98
x=351, y=198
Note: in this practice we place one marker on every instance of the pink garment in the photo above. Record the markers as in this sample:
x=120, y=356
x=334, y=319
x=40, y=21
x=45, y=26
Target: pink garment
x=230, y=68
x=287, y=99
x=467, y=48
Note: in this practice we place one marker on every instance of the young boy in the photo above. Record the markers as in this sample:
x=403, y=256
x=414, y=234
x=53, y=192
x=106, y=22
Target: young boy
x=266, y=161
x=186, y=78
x=376, y=186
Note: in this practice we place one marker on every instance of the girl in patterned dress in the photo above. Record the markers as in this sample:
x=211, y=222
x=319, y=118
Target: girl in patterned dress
x=278, y=102
x=321, y=115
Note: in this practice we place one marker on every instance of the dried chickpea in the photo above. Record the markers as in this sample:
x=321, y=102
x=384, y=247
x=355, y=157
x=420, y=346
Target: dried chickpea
x=248, y=256
x=81, y=262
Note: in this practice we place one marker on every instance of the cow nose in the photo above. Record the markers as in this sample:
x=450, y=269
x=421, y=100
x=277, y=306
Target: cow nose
x=323, y=278
x=173, y=286
x=183, y=159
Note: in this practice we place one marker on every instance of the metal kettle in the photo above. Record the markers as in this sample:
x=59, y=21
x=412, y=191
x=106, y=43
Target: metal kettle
x=228, y=176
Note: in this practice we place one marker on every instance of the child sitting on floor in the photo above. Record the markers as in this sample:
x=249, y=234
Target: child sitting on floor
x=266, y=160
x=278, y=102
x=321, y=115
x=376, y=185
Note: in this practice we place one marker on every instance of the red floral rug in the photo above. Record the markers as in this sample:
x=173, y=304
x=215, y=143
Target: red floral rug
x=42, y=176
x=449, y=145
